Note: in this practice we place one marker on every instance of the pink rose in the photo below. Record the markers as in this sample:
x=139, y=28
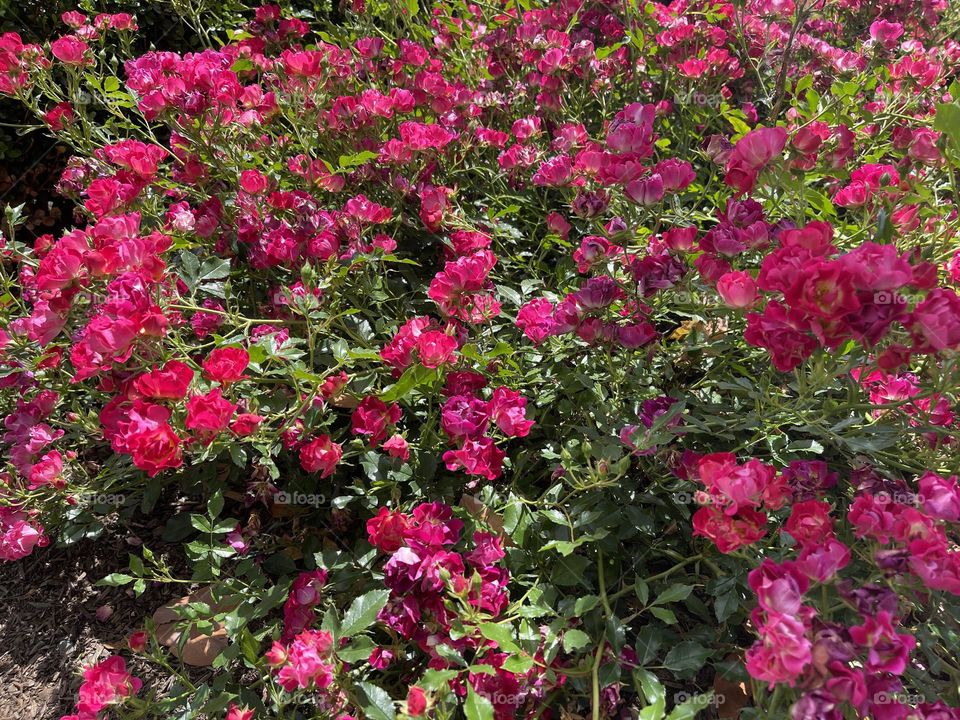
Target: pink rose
x=738, y=289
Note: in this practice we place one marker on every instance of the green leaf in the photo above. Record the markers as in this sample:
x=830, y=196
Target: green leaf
x=116, y=580
x=673, y=593
x=501, y=635
x=947, y=121
x=726, y=605
x=508, y=293
x=482, y=670
x=249, y=646
x=686, y=656
x=664, y=614
x=215, y=505
x=238, y=455
x=585, y=604
x=803, y=84
x=574, y=639
x=477, y=707
x=642, y=590
x=413, y=377
x=739, y=126
x=603, y=52
x=450, y=655
x=569, y=571
x=357, y=650
x=213, y=269
x=330, y=622
x=434, y=680
x=688, y=710
x=360, y=158
x=363, y=612
x=376, y=703
x=519, y=664
x=201, y=523
x=649, y=686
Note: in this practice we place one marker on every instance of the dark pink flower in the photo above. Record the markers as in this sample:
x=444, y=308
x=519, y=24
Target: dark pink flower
x=464, y=417
x=779, y=587
x=226, y=365
x=738, y=289
x=396, y=446
x=508, y=410
x=436, y=348
x=477, y=457
x=321, y=455
x=373, y=418
x=208, y=415
x=70, y=50
x=783, y=651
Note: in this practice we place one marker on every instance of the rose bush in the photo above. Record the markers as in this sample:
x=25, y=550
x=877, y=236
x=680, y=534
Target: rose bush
x=512, y=359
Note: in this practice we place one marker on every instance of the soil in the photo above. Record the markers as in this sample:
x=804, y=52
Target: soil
x=49, y=626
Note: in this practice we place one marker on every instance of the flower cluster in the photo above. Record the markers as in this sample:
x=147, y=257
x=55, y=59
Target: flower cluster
x=734, y=497
x=427, y=579
x=105, y=685
x=467, y=419
x=544, y=252
x=825, y=300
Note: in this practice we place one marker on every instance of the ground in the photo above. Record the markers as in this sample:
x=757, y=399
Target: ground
x=49, y=626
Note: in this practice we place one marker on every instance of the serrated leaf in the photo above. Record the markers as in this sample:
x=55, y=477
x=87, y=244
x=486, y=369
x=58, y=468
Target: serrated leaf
x=476, y=706
x=213, y=269
x=376, y=703
x=686, y=656
x=689, y=709
x=215, y=504
x=501, y=635
x=948, y=121
x=675, y=592
x=642, y=590
x=585, y=604
x=649, y=686
x=357, y=650
x=330, y=622
x=433, y=680
x=664, y=614
x=519, y=664
x=116, y=580
x=360, y=158
x=726, y=604
x=363, y=612
x=413, y=377
x=574, y=639
x=450, y=655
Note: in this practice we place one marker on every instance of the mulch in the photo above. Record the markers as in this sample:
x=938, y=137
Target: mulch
x=49, y=626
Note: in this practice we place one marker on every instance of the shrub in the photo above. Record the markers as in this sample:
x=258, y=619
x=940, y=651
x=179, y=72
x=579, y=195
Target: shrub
x=510, y=360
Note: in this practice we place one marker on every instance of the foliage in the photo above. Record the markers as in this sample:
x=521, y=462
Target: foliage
x=498, y=360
